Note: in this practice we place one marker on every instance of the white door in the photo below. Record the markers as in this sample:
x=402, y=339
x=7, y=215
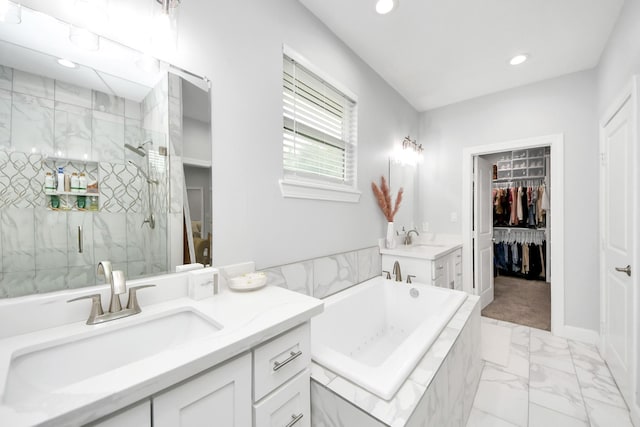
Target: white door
x=618, y=188
x=482, y=231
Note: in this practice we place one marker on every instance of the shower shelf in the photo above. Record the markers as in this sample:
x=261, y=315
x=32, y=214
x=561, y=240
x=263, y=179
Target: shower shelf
x=68, y=200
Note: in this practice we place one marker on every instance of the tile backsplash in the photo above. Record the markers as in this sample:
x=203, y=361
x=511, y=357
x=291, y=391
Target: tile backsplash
x=324, y=276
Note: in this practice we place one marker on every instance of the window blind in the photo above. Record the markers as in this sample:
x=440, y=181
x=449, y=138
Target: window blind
x=319, y=129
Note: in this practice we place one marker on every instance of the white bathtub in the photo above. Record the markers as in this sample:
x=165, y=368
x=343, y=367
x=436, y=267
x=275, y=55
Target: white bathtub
x=374, y=334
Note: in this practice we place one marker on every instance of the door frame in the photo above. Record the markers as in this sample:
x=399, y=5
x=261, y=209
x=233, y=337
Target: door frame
x=630, y=93
x=556, y=216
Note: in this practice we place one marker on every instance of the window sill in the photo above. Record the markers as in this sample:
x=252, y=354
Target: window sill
x=310, y=190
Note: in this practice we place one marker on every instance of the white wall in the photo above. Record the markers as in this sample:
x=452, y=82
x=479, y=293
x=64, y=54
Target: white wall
x=621, y=58
x=238, y=44
x=563, y=105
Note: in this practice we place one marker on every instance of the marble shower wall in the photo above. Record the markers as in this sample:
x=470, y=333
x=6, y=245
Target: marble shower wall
x=324, y=276
x=41, y=118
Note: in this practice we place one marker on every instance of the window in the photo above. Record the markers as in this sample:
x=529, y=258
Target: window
x=319, y=136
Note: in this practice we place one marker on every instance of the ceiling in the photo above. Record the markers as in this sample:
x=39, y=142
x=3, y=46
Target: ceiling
x=438, y=52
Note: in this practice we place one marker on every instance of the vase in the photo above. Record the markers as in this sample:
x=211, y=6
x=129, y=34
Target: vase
x=390, y=241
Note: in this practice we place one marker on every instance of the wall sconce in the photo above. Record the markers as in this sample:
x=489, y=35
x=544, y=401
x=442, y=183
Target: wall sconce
x=10, y=13
x=163, y=25
x=408, y=152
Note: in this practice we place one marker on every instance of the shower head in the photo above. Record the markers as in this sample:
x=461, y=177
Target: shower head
x=143, y=173
x=139, y=150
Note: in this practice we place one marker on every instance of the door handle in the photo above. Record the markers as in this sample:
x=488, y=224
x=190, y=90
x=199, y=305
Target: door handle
x=626, y=269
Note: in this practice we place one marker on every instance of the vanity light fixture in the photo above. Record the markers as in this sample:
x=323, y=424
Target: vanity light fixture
x=519, y=59
x=66, y=63
x=385, y=6
x=10, y=12
x=84, y=39
x=409, y=152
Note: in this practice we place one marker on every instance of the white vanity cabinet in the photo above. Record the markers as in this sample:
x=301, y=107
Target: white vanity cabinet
x=138, y=415
x=443, y=270
x=282, y=380
x=221, y=396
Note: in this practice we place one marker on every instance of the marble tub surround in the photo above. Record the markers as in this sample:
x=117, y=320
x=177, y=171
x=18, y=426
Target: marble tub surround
x=546, y=381
x=439, y=391
x=324, y=276
x=247, y=319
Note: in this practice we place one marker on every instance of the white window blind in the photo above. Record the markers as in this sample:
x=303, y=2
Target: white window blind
x=319, y=129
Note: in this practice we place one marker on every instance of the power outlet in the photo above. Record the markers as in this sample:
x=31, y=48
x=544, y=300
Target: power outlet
x=425, y=227
x=454, y=216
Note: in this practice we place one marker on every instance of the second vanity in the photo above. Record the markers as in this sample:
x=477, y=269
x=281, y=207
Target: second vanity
x=236, y=359
x=438, y=264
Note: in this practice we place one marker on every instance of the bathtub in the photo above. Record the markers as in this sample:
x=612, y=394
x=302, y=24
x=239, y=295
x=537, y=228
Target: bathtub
x=374, y=334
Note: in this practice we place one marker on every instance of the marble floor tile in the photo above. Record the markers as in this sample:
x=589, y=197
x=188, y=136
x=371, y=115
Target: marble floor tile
x=602, y=388
x=550, y=351
x=557, y=390
x=539, y=416
x=479, y=418
x=587, y=357
x=503, y=395
x=603, y=415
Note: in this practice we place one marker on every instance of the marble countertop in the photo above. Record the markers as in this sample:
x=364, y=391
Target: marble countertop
x=428, y=251
x=248, y=319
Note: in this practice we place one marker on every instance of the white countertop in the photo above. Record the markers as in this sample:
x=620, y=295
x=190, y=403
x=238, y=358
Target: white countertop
x=428, y=251
x=248, y=319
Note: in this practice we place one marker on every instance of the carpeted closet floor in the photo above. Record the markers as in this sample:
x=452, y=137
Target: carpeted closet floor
x=525, y=302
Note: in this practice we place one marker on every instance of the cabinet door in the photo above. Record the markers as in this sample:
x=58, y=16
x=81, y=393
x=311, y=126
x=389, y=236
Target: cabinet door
x=136, y=416
x=220, y=397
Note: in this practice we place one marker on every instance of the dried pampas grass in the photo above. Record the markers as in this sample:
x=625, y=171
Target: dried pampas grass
x=383, y=196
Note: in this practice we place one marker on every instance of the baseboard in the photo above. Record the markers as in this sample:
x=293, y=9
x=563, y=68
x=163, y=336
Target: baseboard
x=579, y=334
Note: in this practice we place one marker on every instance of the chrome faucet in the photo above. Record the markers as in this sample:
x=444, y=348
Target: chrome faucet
x=117, y=282
x=396, y=271
x=407, y=237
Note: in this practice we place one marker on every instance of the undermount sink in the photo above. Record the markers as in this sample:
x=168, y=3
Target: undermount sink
x=50, y=367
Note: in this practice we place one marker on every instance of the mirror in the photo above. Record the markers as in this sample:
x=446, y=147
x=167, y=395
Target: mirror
x=404, y=175
x=115, y=121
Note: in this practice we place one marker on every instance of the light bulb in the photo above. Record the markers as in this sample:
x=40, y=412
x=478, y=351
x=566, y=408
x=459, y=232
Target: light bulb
x=385, y=6
x=518, y=59
x=10, y=13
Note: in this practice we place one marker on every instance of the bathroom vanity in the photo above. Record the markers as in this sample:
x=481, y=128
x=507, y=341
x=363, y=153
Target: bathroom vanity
x=233, y=359
x=438, y=264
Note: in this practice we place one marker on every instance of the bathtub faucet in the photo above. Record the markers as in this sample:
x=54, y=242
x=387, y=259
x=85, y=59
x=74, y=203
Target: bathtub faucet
x=396, y=271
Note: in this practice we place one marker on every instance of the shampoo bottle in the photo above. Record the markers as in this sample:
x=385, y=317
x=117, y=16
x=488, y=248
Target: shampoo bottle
x=60, y=179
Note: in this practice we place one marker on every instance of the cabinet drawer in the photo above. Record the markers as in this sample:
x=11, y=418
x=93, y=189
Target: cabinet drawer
x=287, y=407
x=438, y=268
x=280, y=359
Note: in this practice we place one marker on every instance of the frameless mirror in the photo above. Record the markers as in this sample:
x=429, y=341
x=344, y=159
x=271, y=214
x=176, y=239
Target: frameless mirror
x=402, y=175
x=91, y=146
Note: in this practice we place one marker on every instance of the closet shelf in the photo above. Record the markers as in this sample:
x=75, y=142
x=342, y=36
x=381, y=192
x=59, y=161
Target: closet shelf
x=516, y=229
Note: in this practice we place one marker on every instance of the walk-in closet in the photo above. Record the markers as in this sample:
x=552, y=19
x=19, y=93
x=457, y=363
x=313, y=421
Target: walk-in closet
x=520, y=198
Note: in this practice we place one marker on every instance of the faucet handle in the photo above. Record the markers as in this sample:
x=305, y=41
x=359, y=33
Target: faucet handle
x=96, y=306
x=409, y=276
x=388, y=276
x=132, y=303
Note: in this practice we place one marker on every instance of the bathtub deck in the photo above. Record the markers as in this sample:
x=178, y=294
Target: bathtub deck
x=412, y=395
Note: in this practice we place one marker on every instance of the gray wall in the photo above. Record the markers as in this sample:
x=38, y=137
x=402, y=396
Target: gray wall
x=563, y=105
x=239, y=46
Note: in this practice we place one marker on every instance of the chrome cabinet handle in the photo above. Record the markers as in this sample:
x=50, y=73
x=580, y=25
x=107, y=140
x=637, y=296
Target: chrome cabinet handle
x=626, y=269
x=292, y=356
x=294, y=419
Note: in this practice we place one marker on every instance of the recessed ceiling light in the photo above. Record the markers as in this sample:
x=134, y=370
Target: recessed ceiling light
x=385, y=6
x=66, y=63
x=518, y=59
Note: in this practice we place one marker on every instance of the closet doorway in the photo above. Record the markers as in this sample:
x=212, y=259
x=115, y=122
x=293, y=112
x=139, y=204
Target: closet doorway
x=513, y=270
x=519, y=198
